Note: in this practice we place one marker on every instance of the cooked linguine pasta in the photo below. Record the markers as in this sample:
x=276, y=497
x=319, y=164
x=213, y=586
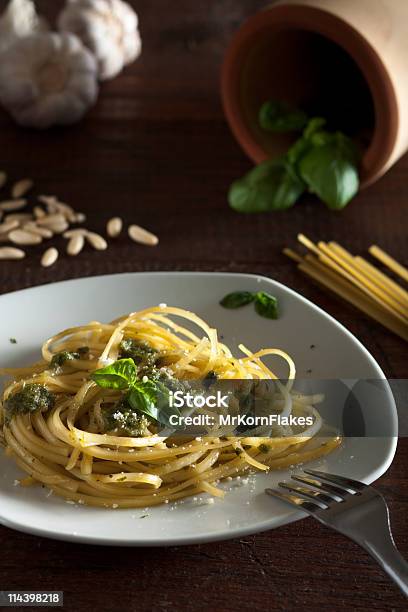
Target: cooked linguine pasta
x=85, y=440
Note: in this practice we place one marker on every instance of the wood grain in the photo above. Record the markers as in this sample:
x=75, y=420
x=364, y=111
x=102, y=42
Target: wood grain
x=156, y=150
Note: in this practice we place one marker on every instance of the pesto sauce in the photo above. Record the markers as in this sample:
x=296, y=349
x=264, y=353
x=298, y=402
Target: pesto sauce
x=28, y=399
x=144, y=356
x=59, y=359
x=122, y=419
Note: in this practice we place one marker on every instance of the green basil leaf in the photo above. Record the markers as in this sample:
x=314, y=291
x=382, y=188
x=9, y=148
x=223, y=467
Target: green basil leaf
x=330, y=172
x=266, y=305
x=348, y=147
x=313, y=135
x=297, y=151
x=314, y=125
x=273, y=185
x=152, y=399
x=119, y=375
x=143, y=397
x=276, y=116
x=163, y=401
x=237, y=299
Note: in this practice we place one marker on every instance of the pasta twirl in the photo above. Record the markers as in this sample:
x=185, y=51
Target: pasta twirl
x=87, y=445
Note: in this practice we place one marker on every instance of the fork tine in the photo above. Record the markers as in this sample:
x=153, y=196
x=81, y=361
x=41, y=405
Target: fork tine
x=320, y=499
x=293, y=500
x=348, y=484
x=337, y=493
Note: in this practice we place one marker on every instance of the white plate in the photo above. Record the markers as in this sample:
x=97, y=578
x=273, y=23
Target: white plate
x=34, y=314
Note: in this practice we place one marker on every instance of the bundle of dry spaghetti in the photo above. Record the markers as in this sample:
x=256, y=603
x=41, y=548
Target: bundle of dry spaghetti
x=357, y=281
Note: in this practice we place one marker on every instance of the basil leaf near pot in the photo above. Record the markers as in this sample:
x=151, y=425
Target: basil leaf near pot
x=329, y=170
x=273, y=185
x=278, y=117
x=323, y=162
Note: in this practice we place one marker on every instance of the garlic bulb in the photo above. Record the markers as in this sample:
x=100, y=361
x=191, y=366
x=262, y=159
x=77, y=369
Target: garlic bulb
x=47, y=79
x=108, y=27
x=18, y=20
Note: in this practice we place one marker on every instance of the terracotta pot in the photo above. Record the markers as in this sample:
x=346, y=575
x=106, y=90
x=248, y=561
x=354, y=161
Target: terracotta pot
x=346, y=60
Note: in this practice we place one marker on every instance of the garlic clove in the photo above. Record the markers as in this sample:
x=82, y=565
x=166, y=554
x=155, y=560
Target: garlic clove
x=19, y=19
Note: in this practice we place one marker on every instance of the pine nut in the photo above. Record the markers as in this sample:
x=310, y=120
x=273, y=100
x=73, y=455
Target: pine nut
x=139, y=234
x=8, y=226
x=80, y=231
x=39, y=213
x=96, y=241
x=11, y=253
x=32, y=227
x=67, y=211
x=76, y=244
x=47, y=199
x=10, y=205
x=3, y=178
x=57, y=223
x=49, y=257
x=114, y=227
x=21, y=188
x=51, y=219
x=19, y=236
x=79, y=218
x=50, y=203
x=58, y=227
x=20, y=217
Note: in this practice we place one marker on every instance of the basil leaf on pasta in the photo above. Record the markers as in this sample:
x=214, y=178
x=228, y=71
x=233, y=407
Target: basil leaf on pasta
x=119, y=375
x=152, y=399
x=143, y=398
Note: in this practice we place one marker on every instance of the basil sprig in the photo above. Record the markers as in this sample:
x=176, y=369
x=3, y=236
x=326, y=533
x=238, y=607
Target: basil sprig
x=277, y=116
x=266, y=305
x=149, y=397
x=320, y=161
x=273, y=181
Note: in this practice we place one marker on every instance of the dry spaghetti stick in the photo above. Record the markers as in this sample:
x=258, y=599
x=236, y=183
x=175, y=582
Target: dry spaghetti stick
x=363, y=280
x=292, y=255
x=329, y=261
x=389, y=261
x=399, y=292
x=352, y=295
x=308, y=243
x=376, y=276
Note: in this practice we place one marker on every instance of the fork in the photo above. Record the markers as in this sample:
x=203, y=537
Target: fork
x=352, y=508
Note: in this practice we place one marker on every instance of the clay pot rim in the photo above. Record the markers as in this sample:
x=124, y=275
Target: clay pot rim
x=377, y=155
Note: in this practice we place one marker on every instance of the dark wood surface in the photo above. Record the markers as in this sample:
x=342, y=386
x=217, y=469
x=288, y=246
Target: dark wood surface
x=157, y=151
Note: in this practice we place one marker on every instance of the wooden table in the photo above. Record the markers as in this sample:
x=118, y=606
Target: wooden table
x=157, y=151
